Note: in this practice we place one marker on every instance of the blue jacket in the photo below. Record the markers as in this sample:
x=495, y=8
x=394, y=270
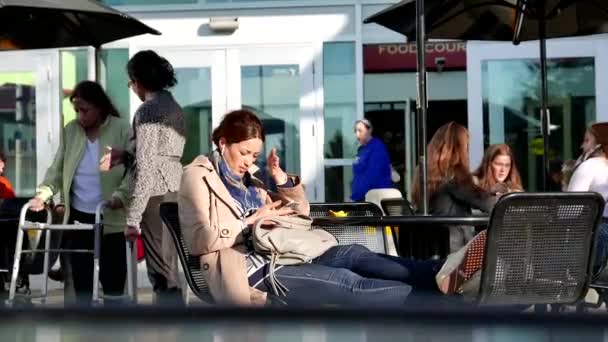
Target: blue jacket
x=371, y=170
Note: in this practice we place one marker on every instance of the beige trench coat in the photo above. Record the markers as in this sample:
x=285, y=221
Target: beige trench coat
x=212, y=229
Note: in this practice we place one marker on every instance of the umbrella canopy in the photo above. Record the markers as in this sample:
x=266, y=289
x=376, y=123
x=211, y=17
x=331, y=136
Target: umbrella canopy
x=498, y=20
x=501, y=20
x=40, y=24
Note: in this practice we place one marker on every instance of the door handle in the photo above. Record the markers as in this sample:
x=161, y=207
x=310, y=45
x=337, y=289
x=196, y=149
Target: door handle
x=548, y=121
x=546, y=129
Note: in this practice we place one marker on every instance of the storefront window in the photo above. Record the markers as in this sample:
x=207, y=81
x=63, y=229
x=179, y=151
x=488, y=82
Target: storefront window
x=339, y=79
x=511, y=109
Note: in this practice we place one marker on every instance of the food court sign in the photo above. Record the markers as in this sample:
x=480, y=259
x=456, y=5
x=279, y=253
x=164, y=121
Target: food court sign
x=402, y=57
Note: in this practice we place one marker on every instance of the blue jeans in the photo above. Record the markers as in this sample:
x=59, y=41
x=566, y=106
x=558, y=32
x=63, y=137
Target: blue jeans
x=601, y=249
x=353, y=275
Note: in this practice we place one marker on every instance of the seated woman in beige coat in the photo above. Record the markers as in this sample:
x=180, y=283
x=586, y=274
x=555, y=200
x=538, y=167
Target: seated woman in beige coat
x=219, y=200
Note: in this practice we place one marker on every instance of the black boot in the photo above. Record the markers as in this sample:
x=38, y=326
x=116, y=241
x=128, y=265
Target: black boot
x=23, y=285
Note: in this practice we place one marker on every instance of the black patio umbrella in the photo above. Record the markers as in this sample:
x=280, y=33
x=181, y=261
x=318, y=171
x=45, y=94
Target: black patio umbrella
x=501, y=20
x=40, y=24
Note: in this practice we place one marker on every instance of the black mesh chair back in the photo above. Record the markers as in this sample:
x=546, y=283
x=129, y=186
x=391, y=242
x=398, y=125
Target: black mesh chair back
x=190, y=263
x=539, y=248
x=372, y=237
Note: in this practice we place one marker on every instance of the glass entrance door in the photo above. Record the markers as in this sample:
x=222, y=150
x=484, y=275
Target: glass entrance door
x=512, y=110
x=274, y=82
x=277, y=84
x=504, y=101
x=29, y=127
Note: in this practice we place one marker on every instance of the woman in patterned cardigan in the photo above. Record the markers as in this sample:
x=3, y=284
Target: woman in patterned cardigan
x=153, y=161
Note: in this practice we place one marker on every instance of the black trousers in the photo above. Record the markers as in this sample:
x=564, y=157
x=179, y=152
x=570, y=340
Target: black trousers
x=112, y=263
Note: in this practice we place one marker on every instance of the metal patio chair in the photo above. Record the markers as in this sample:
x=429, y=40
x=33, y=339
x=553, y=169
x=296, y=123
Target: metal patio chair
x=539, y=248
x=372, y=237
x=422, y=242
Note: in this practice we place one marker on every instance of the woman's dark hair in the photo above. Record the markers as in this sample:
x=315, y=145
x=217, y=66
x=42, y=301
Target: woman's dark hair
x=3, y=157
x=151, y=71
x=237, y=126
x=94, y=94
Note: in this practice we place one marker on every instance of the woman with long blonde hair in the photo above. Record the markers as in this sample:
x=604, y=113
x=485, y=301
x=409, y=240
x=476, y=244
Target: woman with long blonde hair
x=450, y=186
x=498, y=172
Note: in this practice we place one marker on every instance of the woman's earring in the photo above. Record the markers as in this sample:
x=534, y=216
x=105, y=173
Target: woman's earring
x=222, y=150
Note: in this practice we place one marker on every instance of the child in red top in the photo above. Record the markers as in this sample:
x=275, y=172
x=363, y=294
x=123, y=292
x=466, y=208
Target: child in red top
x=6, y=189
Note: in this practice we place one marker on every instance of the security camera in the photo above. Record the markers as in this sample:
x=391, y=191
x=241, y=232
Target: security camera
x=224, y=24
x=440, y=63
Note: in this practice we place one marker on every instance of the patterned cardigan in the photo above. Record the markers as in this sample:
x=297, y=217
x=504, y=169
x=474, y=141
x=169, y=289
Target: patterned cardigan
x=156, y=147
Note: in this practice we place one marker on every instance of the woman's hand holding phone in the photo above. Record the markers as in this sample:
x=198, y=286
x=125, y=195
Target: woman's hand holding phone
x=269, y=210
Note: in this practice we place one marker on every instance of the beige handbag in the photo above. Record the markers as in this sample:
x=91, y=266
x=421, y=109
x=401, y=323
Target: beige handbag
x=290, y=241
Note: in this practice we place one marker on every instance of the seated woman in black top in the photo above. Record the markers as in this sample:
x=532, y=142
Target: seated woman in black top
x=450, y=186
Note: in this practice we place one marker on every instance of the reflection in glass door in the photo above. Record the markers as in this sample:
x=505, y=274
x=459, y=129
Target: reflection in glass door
x=273, y=92
x=511, y=110
x=28, y=130
x=200, y=90
x=275, y=85
x=197, y=109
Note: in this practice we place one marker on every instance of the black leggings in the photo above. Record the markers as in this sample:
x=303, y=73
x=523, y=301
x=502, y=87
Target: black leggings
x=112, y=263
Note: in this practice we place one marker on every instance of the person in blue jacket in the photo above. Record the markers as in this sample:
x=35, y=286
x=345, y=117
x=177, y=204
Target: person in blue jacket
x=372, y=167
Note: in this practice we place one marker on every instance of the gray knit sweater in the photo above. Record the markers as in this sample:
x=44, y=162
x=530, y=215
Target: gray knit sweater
x=159, y=135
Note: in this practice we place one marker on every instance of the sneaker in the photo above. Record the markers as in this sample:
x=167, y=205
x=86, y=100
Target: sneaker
x=459, y=267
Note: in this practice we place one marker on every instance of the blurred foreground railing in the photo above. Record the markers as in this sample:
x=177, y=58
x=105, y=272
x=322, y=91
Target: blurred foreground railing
x=230, y=324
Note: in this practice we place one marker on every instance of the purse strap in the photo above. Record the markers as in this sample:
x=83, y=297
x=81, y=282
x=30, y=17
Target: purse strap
x=291, y=222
